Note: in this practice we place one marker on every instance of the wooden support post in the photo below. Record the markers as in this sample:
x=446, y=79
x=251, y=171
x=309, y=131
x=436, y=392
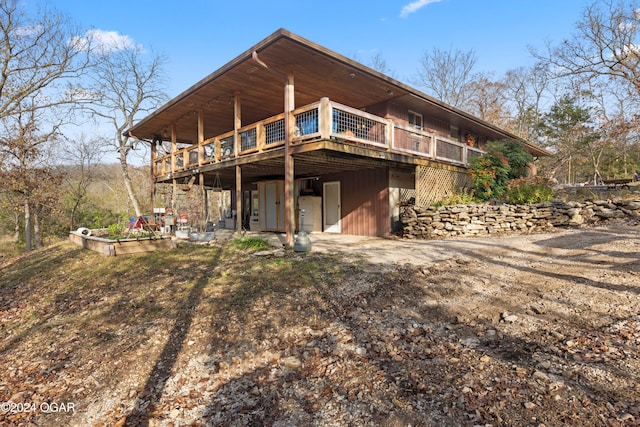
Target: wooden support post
x=261, y=137
x=152, y=185
x=174, y=147
x=207, y=210
x=204, y=202
x=289, y=129
x=239, y=200
x=200, y=137
x=324, y=118
x=237, y=123
x=217, y=149
x=389, y=134
x=174, y=196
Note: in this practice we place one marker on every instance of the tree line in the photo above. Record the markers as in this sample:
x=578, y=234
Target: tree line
x=579, y=100
x=54, y=74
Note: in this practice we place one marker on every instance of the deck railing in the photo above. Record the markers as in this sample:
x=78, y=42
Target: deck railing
x=324, y=119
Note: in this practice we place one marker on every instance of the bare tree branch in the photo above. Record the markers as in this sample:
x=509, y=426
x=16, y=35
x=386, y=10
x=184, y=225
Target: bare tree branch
x=446, y=74
x=36, y=59
x=126, y=83
x=604, y=46
x=485, y=98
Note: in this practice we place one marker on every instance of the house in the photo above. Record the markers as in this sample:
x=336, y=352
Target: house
x=290, y=127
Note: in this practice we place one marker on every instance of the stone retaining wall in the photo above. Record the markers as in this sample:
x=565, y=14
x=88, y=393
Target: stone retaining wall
x=457, y=220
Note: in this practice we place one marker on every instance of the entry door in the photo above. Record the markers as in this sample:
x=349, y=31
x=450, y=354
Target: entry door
x=331, y=207
x=271, y=205
x=271, y=208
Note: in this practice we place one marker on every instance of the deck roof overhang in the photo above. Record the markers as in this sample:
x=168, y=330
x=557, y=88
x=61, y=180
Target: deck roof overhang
x=318, y=72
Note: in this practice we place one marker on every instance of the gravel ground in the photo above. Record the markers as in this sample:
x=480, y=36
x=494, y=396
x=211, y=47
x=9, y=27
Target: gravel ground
x=530, y=330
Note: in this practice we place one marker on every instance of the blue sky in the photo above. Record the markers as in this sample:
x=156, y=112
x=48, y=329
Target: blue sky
x=199, y=36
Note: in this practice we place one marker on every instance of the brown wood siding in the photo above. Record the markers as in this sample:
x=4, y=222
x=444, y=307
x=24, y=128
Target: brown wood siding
x=390, y=110
x=365, y=202
x=399, y=113
x=380, y=109
x=439, y=127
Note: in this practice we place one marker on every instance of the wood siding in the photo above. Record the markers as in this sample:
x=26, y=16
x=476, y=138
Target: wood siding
x=399, y=113
x=365, y=202
x=439, y=127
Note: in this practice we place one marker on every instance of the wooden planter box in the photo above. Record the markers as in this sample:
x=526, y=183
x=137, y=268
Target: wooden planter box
x=109, y=247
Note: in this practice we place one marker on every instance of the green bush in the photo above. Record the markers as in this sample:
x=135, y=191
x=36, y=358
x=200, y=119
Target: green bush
x=489, y=175
x=529, y=190
x=503, y=161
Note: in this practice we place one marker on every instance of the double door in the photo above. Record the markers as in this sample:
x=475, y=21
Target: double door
x=271, y=195
x=271, y=205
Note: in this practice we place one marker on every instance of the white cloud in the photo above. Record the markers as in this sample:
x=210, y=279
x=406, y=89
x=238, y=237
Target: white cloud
x=415, y=6
x=104, y=42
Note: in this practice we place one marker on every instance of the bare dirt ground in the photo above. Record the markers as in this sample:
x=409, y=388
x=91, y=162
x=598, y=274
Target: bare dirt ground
x=535, y=330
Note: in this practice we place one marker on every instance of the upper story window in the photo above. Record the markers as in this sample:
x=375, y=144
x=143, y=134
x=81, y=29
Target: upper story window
x=415, y=119
x=454, y=132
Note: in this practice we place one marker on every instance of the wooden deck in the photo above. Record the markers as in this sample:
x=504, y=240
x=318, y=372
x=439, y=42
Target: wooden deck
x=322, y=120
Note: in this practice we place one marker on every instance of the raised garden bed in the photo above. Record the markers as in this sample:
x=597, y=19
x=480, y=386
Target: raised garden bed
x=113, y=247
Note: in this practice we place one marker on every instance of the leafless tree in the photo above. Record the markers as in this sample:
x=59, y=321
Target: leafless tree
x=600, y=63
x=83, y=157
x=619, y=120
x=38, y=59
x=605, y=45
x=486, y=99
x=446, y=74
x=378, y=63
x=40, y=62
x=24, y=173
x=525, y=89
x=126, y=82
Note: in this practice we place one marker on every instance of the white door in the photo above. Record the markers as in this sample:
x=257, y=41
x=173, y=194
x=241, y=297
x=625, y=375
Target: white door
x=331, y=207
x=271, y=208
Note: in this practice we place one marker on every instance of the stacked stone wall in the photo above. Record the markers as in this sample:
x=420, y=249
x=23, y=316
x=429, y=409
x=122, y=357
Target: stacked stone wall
x=479, y=219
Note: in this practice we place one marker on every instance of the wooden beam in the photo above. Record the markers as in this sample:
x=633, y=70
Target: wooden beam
x=152, y=182
x=289, y=133
x=204, y=202
x=239, y=201
x=200, y=136
x=174, y=147
x=261, y=137
x=174, y=196
x=324, y=118
x=237, y=123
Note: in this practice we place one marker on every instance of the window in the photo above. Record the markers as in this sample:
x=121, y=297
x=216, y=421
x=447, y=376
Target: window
x=415, y=119
x=454, y=132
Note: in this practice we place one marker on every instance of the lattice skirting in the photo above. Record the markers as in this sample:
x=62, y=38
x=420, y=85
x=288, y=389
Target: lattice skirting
x=434, y=185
